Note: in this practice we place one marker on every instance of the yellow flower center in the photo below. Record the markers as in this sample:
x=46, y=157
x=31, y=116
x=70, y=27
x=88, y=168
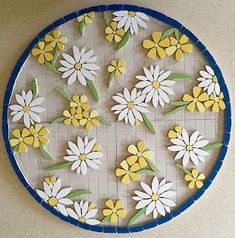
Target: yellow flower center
x=26, y=109
x=214, y=79
x=114, y=210
x=155, y=197
x=77, y=66
x=52, y=201
x=178, y=46
x=82, y=219
x=131, y=13
x=156, y=45
x=139, y=154
x=156, y=84
x=130, y=105
x=20, y=139
x=216, y=99
x=82, y=157
x=189, y=147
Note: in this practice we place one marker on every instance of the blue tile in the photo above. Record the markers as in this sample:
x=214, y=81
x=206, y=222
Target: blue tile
x=188, y=33
x=122, y=230
x=207, y=184
x=136, y=228
x=102, y=8
x=198, y=194
x=185, y=205
x=228, y=111
x=165, y=219
x=84, y=225
x=33, y=43
x=131, y=8
x=214, y=171
x=218, y=73
x=58, y=22
x=97, y=228
x=158, y=15
x=45, y=31
x=228, y=119
x=226, y=138
x=174, y=23
x=223, y=152
x=110, y=229
x=23, y=57
x=7, y=97
x=70, y=16
x=115, y=7
x=12, y=79
x=94, y=9
x=225, y=92
x=176, y=212
x=150, y=225
x=15, y=71
x=200, y=46
x=209, y=57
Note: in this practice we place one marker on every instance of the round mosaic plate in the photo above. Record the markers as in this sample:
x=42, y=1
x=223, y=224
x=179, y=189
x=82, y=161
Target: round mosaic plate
x=116, y=118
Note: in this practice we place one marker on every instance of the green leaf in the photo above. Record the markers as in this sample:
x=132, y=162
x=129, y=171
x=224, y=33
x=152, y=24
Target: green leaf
x=111, y=77
x=64, y=93
x=103, y=120
x=73, y=195
x=177, y=34
x=212, y=147
x=179, y=76
x=60, y=166
x=106, y=18
x=184, y=169
x=55, y=57
x=153, y=166
x=93, y=89
x=52, y=67
x=145, y=171
x=58, y=120
x=45, y=152
x=176, y=110
x=124, y=40
x=136, y=216
x=179, y=103
x=167, y=33
x=35, y=88
x=106, y=219
x=81, y=27
x=148, y=123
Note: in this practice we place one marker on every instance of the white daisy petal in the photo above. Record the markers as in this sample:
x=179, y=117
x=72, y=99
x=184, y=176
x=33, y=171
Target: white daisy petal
x=142, y=15
x=168, y=194
x=73, y=148
x=47, y=189
x=150, y=208
x=81, y=78
x=83, y=168
x=142, y=194
x=68, y=73
x=167, y=202
x=72, y=78
x=92, y=222
x=164, y=188
x=193, y=157
x=62, y=209
x=120, y=13
x=146, y=188
x=89, y=146
x=63, y=192
x=76, y=53
x=56, y=187
x=66, y=64
x=80, y=145
x=72, y=213
x=201, y=143
x=160, y=208
x=193, y=137
x=18, y=116
x=155, y=185
x=143, y=203
x=20, y=100
x=42, y=194
x=69, y=59
x=65, y=201
x=76, y=165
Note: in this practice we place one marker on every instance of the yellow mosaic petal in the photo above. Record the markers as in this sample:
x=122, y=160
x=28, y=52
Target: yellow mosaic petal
x=142, y=162
x=200, y=107
x=63, y=40
x=122, y=69
x=43, y=140
x=135, y=167
x=121, y=63
x=16, y=133
x=203, y=97
x=124, y=165
x=118, y=204
x=91, y=14
x=172, y=134
x=215, y=107
x=108, y=30
x=83, y=122
x=120, y=172
x=183, y=39
x=199, y=184
x=173, y=41
x=179, y=129
x=221, y=95
x=41, y=45
x=195, y=173
x=187, y=98
x=156, y=36
x=85, y=114
x=48, y=38
x=152, y=53
x=83, y=98
x=41, y=59
x=80, y=18
x=191, y=185
x=117, y=38
x=43, y=131
x=179, y=55
x=196, y=91
x=87, y=20
x=107, y=212
x=120, y=32
x=201, y=177
x=141, y=146
x=188, y=177
x=75, y=98
x=75, y=122
x=111, y=68
x=113, y=218
x=36, y=51
x=148, y=154
x=208, y=103
x=132, y=159
x=171, y=50
x=48, y=57
x=48, y=48
x=165, y=42
x=113, y=25
x=95, y=122
x=161, y=52
x=148, y=44
x=122, y=213
x=191, y=106
x=117, y=73
x=221, y=104
x=14, y=142
x=96, y=148
x=89, y=125
x=85, y=107
x=126, y=179
x=94, y=114
x=56, y=33
x=66, y=113
x=37, y=127
x=78, y=116
x=22, y=148
x=132, y=149
x=91, y=206
x=109, y=204
x=36, y=143
x=134, y=176
x=109, y=37
x=67, y=121
x=29, y=140
x=188, y=48
x=25, y=132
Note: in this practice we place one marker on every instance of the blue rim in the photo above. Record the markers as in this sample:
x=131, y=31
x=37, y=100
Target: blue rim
x=205, y=52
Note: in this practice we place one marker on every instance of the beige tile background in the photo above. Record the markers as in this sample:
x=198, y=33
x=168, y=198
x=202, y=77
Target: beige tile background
x=212, y=22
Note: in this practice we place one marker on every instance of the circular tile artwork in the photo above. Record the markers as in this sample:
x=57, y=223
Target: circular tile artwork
x=116, y=118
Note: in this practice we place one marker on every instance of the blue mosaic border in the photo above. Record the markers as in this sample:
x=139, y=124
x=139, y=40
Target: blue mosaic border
x=205, y=52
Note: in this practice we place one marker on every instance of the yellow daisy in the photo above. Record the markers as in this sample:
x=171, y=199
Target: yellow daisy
x=89, y=119
x=217, y=102
x=118, y=67
x=56, y=40
x=196, y=100
x=173, y=133
x=87, y=17
x=73, y=116
x=156, y=45
x=195, y=179
x=80, y=102
x=128, y=172
x=38, y=135
x=43, y=52
x=139, y=154
x=20, y=140
x=113, y=33
x=114, y=210
x=179, y=47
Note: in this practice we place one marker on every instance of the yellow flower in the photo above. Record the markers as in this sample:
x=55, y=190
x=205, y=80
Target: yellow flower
x=89, y=119
x=173, y=133
x=73, y=116
x=195, y=179
x=128, y=172
x=114, y=33
x=139, y=153
x=21, y=138
x=118, y=67
x=43, y=52
x=114, y=210
x=38, y=135
x=156, y=45
x=56, y=40
x=196, y=100
x=87, y=17
x=50, y=181
x=217, y=102
x=96, y=148
x=179, y=47
x=79, y=102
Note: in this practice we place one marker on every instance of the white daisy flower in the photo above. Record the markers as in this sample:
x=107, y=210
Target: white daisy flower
x=209, y=81
x=27, y=107
x=131, y=105
x=82, y=155
x=130, y=20
x=155, y=85
x=157, y=199
x=189, y=148
x=84, y=213
x=79, y=66
x=55, y=196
